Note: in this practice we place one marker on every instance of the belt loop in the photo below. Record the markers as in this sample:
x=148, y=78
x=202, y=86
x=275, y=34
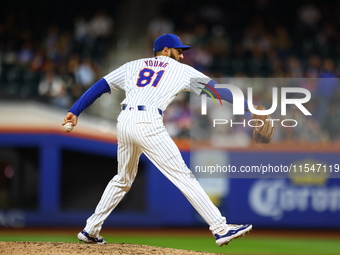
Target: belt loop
x=141, y=107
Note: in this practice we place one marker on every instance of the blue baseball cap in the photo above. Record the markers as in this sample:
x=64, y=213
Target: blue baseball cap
x=170, y=41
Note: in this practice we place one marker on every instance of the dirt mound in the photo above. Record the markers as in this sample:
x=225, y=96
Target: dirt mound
x=60, y=248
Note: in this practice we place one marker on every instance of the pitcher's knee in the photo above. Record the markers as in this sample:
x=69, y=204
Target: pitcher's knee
x=121, y=182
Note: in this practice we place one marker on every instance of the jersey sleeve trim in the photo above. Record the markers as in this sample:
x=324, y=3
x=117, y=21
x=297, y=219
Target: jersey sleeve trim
x=116, y=78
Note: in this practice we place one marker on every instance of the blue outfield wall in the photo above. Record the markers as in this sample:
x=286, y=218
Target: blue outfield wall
x=264, y=202
x=165, y=205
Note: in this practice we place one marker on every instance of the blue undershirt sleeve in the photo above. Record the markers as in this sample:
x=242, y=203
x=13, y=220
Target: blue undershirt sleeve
x=94, y=92
x=224, y=93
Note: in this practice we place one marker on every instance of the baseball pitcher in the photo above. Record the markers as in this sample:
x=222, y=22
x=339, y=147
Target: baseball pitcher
x=150, y=85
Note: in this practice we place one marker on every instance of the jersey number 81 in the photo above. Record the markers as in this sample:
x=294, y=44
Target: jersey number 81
x=145, y=77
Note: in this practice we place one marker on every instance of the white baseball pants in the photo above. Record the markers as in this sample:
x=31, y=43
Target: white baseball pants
x=144, y=132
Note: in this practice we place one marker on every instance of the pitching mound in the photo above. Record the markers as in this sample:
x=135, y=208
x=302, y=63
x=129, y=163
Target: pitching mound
x=50, y=248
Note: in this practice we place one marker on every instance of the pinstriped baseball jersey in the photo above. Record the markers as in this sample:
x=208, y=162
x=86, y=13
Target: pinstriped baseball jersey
x=154, y=82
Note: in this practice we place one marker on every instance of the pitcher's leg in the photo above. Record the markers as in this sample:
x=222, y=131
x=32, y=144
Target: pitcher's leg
x=128, y=158
x=163, y=152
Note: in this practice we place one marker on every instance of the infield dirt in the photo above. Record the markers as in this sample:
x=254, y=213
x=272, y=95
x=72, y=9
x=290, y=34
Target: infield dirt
x=59, y=248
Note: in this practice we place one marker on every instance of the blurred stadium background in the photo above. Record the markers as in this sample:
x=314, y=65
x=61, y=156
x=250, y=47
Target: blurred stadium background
x=52, y=51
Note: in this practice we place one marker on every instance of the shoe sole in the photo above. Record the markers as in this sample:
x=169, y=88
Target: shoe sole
x=84, y=239
x=240, y=234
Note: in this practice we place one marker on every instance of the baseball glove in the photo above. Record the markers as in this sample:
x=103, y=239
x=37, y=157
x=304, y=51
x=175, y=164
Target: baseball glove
x=263, y=130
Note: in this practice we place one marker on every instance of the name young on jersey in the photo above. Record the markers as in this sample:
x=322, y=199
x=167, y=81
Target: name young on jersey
x=155, y=63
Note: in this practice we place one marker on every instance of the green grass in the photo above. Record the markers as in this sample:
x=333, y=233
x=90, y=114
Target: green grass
x=247, y=245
